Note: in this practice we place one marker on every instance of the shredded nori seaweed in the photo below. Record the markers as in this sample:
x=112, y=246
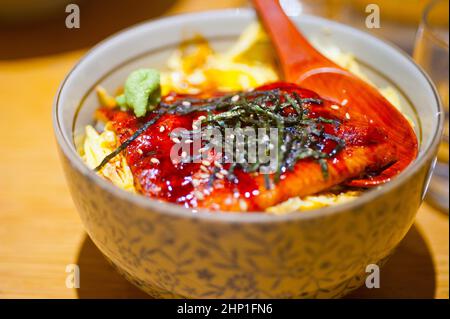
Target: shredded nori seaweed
x=300, y=136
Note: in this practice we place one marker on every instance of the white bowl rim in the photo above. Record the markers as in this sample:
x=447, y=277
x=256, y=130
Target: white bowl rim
x=240, y=217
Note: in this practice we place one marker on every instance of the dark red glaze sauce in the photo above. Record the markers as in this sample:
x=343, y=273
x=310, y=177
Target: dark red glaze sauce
x=158, y=177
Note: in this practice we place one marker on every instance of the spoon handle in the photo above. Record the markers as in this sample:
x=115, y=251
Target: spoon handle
x=296, y=54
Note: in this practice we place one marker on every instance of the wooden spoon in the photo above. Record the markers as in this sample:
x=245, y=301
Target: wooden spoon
x=303, y=65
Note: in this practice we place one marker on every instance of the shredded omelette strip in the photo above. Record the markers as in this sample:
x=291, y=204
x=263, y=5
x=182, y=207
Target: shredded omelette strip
x=96, y=147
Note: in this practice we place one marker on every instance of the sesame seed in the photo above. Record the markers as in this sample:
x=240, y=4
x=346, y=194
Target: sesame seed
x=219, y=176
x=347, y=116
x=162, y=129
x=243, y=205
x=235, y=98
x=206, y=163
x=154, y=160
x=344, y=102
x=186, y=103
x=199, y=195
x=169, y=98
x=203, y=175
x=335, y=107
x=140, y=151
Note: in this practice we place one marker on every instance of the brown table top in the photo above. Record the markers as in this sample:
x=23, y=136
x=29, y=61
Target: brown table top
x=41, y=232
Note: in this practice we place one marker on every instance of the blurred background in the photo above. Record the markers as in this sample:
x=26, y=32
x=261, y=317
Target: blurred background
x=36, y=27
x=40, y=230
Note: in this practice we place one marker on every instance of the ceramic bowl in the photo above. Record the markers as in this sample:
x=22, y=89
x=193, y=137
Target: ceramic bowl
x=170, y=251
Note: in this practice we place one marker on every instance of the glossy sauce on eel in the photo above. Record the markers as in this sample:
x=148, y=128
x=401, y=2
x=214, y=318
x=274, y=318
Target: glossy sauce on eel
x=321, y=145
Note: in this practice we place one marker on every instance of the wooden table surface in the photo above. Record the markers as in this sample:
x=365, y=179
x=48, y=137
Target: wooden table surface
x=40, y=231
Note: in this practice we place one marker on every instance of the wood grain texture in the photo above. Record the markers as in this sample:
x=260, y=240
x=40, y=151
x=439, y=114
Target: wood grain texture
x=41, y=233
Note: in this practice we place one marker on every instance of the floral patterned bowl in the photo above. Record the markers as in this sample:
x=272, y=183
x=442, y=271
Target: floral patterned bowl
x=170, y=251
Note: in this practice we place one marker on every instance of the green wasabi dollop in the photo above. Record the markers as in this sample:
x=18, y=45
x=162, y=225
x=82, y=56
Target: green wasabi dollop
x=142, y=91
